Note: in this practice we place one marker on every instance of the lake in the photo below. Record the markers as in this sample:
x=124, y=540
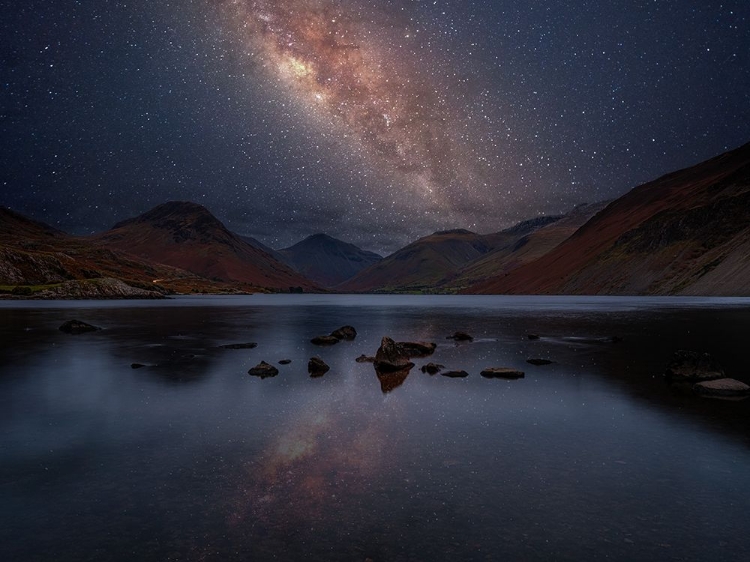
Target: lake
x=189, y=458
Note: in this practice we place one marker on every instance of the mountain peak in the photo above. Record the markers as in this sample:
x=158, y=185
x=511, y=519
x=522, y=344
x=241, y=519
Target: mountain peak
x=452, y=231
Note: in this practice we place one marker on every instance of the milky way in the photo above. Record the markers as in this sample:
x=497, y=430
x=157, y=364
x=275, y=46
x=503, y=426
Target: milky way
x=356, y=68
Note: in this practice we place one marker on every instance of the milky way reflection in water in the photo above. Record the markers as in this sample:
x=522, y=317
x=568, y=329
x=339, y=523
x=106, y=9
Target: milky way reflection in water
x=190, y=458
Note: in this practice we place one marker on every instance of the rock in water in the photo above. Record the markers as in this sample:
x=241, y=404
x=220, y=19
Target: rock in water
x=455, y=374
x=248, y=345
x=345, y=333
x=502, y=373
x=391, y=380
x=532, y=336
x=77, y=327
x=539, y=361
x=317, y=367
x=693, y=367
x=460, y=336
x=137, y=365
x=432, y=368
x=391, y=357
x=285, y=362
x=263, y=370
x=365, y=359
x=417, y=348
x=722, y=387
x=324, y=340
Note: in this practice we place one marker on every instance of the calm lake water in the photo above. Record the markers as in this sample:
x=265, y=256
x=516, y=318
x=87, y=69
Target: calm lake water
x=592, y=457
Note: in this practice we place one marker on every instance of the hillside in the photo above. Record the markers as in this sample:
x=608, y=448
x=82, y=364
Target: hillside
x=685, y=233
x=327, y=260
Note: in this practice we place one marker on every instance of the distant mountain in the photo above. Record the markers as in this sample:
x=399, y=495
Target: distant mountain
x=267, y=249
x=327, y=260
x=422, y=264
x=685, y=233
x=521, y=244
x=188, y=236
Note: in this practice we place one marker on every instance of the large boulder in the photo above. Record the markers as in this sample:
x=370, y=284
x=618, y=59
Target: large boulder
x=263, y=370
x=392, y=379
x=345, y=333
x=502, y=373
x=317, y=367
x=690, y=366
x=391, y=357
x=77, y=327
x=722, y=387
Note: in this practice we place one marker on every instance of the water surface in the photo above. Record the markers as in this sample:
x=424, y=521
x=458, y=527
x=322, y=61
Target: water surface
x=189, y=458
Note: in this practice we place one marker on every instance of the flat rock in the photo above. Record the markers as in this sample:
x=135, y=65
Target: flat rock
x=432, y=368
x=722, y=387
x=137, y=365
x=345, y=333
x=285, y=362
x=692, y=366
x=317, y=367
x=533, y=336
x=417, y=348
x=502, y=373
x=460, y=336
x=324, y=340
x=365, y=359
x=263, y=370
x=455, y=374
x=248, y=345
x=539, y=361
x=77, y=327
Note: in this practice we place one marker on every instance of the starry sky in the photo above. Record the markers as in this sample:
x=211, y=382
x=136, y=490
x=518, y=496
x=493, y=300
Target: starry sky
x=374, y=121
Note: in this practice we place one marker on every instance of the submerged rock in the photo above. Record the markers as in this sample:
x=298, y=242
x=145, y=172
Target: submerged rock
x=324, y=340
x=460, y=336
x=539, y=361
x=137, y=365
x=263, y=370
x=285, y=362
x=455, y=374
x=345, y=333
x=693, y=367
x=722, y=387
x=248, y=345
x=502, y=373
x=391, y=357
x=317, y=367
x=417, y=348
x=365, y=359
x=432, y=368
x=77, y=327
x=533, y=336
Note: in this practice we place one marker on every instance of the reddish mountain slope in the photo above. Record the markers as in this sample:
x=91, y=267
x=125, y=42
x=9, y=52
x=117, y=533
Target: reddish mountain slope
x=188, y=236
x=684, y=233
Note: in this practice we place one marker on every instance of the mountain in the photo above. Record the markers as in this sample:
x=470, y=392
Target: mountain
x=685, y=233
x=35, y=254
x=423, y=264
x=326, y=260
x=523, y=243
x=267, y=249
x=186, y=235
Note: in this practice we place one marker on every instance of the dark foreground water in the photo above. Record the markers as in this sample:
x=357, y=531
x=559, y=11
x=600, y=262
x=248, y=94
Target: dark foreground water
x=593, y=457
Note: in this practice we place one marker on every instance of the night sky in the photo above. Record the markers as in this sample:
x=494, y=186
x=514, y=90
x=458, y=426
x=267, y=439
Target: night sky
x=374, y=121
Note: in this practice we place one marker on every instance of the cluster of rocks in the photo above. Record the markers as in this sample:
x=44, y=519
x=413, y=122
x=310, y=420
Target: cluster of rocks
x=347, y=333
x=704, y=374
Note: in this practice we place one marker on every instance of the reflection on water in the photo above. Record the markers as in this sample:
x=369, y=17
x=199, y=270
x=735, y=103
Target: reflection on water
x=593, y=456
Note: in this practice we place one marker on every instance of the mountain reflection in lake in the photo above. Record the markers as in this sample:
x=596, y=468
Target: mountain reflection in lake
x=188, y=458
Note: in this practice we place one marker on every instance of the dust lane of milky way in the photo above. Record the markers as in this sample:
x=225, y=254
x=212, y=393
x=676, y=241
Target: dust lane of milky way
x=345, y=62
